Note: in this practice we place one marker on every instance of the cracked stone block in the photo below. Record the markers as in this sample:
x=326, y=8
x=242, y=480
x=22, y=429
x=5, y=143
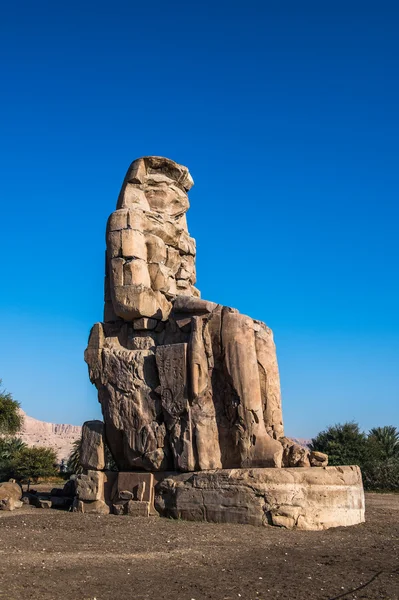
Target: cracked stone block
x=137, y=508
x=294, y=498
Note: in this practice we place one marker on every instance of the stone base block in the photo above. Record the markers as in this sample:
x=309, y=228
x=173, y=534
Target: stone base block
x=137, y=508
x=133, y=508
x=295, y=498
x=90, y=486
x=96, y=507
x=137, y=486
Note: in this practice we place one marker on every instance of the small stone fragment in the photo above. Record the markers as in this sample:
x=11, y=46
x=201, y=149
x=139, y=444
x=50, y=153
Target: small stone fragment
x=119, y=508
x=10, y=495
x=125, y=495
x=318, y=459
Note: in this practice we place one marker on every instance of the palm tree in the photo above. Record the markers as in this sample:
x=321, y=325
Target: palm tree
x=73, y=464
x=387, y=440
x=9, y=446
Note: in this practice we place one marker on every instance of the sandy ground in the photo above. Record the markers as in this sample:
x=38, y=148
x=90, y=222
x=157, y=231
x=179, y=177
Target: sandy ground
x=49, y=554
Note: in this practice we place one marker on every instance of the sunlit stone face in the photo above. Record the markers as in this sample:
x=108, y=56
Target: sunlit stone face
x=150, y=255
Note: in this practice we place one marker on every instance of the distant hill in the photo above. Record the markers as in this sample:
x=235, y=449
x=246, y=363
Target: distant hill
x=301, y=441
x=60, y=437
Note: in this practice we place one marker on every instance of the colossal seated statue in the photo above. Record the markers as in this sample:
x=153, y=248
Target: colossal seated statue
x=184, y=384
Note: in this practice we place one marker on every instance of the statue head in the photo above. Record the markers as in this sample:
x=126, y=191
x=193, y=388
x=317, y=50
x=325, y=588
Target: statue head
x=150, y=255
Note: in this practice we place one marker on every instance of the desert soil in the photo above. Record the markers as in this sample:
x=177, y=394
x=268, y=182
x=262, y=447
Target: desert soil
x=49, y=554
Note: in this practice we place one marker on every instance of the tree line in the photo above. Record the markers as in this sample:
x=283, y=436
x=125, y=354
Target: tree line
x=376, y=453
x=17, y=460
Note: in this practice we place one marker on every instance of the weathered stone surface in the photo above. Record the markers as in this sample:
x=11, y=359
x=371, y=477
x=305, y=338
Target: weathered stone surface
x=60, y=502
x=32, y=499
x=9, y=504
x=10, y=489
x=133, y=486
x=256, y=447
x=148, y=246
x=78, y=505
x=39, y=500
x=191, y=395
x=141, y=489
x=69, y=488
x=119, y=508
x=294, y=498
x=125, y=495
x=193, y=386
x=171, y=361
x=10, y=496
x=294, y=455
x=96, y=507
x=318, y=459
x=137, y=508
x=202, y=391
x=194, y=306
x=144, y=323
x=90, y=486
x=269, y=379
x=92, y=451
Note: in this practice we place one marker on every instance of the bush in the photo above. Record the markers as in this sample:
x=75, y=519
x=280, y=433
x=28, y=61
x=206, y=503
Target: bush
x=34, y=464
x=377, y=453
x=344, y=443
x=381, y=476
x=9, y=446
x=10, y=418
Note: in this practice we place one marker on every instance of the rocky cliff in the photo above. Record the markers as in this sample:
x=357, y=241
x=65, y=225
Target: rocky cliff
x=60, y=437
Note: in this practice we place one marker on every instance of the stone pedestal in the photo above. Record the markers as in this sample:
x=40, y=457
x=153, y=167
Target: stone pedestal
x=295, y=498
x=191, y=386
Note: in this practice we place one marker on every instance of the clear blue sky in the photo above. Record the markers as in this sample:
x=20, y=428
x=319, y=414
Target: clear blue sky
x=286, y=114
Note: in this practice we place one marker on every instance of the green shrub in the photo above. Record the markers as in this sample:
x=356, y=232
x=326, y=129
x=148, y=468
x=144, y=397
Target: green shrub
x=34, y=464
x=381, y=476
x=344, y=443
x=377, y=453
x=10, y=418
x=9, y=447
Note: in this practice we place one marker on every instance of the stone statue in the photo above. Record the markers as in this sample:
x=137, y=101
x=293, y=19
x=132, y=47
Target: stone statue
x=184, y=384
x=190, y=389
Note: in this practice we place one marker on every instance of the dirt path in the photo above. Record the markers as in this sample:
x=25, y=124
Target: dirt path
x=49, y=555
